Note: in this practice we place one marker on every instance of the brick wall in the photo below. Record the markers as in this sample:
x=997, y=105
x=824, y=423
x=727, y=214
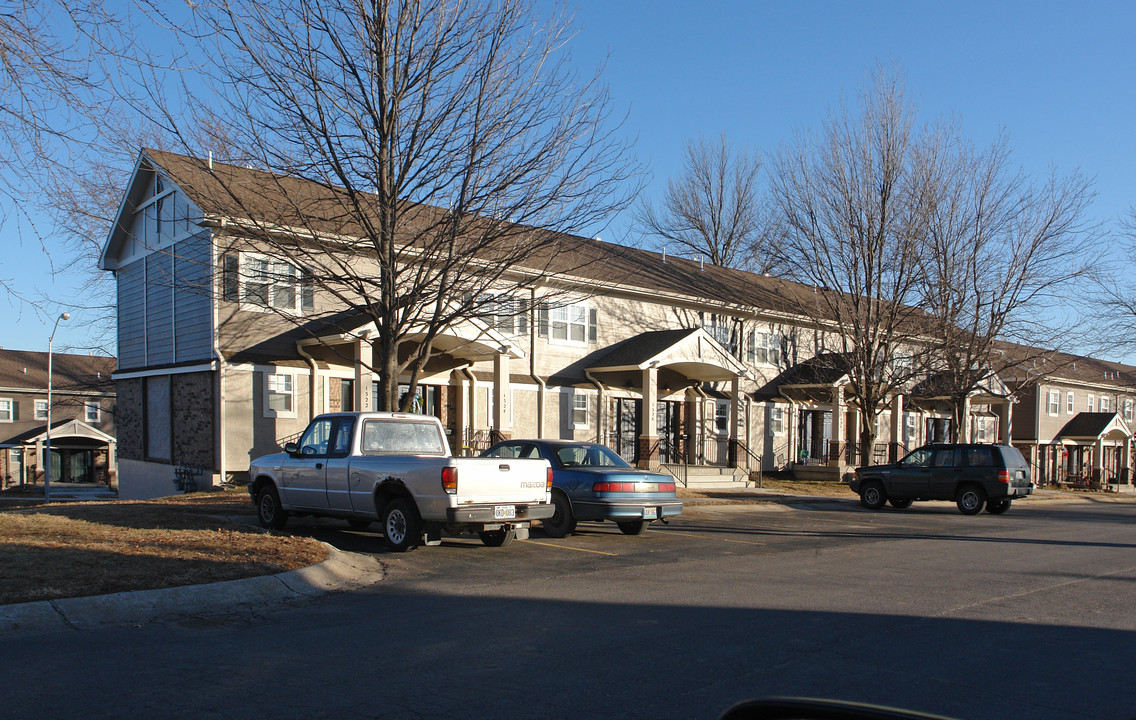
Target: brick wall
x=193, y=419
x=128, y=418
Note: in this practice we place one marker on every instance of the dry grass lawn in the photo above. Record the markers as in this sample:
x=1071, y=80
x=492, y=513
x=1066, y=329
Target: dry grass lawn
x=778, y=484
x=93, y=548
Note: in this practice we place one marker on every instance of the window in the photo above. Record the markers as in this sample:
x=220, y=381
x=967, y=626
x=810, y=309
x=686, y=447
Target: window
x=569, y=323
x=909, y=420
x=1054, y=401
x=40, y=409
x=278, y=395
x=722, y=418
x=983, y=427
x=7, y=411
x=316, y=438
x=1105, y=404
x=579, y=410
x=506, y=314
x=1127, y=408
x=721, y=328
x=766, y=348
x=271, y=284
x=777, y=420
x=91, y=411
x=1069, y=403
x=1092, y=403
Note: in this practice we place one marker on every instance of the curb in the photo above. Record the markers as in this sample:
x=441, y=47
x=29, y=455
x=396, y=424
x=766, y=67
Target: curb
x=341, y=571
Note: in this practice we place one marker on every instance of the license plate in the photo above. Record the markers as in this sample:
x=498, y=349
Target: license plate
x=504, y=512
x=650, y=513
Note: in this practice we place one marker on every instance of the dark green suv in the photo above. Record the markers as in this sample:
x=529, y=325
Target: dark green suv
x=974, y=476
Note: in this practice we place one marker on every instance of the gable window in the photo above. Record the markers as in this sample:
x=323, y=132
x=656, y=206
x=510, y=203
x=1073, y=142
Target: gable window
x=279, y=396
x=579, y=410
x=7, y=410
x=1054, y=401
x=1091, y=403
x=91, y=411
x=1069, y=403
x=40, y=409
x=267, y=283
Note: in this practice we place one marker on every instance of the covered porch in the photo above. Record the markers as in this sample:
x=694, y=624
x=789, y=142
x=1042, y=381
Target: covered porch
x=1094, y=451
x=671, y=397
x=81, y=456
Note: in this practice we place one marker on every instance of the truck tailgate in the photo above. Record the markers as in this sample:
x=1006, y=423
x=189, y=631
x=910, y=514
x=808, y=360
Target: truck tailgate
x=500, y=480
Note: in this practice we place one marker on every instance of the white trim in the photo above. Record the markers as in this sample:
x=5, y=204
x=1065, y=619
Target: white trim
x=87, y=404
x=269, y=412
x=1070, y=403
x=181, y=370
x=11, y=410
x=36, y=412
x=578, y=393
x=568, y=323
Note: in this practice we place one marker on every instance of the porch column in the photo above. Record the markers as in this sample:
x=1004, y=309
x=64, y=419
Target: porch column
x=896, y=426
x=837, y=443
x=502, y=428
x=964, y=431
x=363, y=376
x=1007, y=417
x=735, y=418
x=1125, y=468
x=854, y=436
x=1098, y=460
x=112, y=464
x=40, y=465
x=690, y=427
x=649, y=438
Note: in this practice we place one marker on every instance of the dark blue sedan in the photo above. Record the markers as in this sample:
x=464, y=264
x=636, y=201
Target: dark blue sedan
x=591, y=482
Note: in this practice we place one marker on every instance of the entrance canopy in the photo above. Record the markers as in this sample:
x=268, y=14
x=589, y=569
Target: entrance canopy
x=75, y=433
x=1089, y=428
x=682, y=357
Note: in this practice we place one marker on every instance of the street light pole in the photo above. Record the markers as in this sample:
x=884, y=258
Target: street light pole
x=47, y=458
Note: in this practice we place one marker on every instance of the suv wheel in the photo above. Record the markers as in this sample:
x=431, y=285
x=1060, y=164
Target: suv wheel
x=872, y=495
x=997, y=507
x=970, y=500
x=900, y=503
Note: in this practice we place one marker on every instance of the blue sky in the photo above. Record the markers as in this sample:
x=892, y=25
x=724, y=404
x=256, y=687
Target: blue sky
x=1058, y=78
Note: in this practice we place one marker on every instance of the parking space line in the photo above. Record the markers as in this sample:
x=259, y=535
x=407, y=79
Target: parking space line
x=569, y=547
x=700, y=535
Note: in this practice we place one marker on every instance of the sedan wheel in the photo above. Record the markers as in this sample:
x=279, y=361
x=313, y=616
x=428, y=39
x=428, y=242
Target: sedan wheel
x=633, y=527
x=970, y=500
x=561, y=523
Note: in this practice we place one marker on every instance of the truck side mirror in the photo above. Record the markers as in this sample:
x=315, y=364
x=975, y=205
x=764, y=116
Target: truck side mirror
x=291, y=448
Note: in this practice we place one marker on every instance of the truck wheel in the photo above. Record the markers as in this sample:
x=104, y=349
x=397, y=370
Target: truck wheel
x=997, y=507
x=872, y=495
x=268, y=509
x=401, y=526
x=632, y=527
x=970, y=500
x=561, y=523
x=497, y=538
x=900, y=503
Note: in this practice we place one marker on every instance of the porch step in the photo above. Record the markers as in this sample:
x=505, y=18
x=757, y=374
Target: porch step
x=80, y=494
x=706, y=476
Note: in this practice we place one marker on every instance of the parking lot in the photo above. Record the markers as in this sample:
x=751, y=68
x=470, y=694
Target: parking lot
x=1027, y=614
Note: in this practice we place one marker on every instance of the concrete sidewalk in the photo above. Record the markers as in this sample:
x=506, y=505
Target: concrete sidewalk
x=341, y=571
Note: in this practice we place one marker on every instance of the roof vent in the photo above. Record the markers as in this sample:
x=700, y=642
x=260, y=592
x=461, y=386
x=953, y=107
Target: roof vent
x=701, y=264
x=664, y=253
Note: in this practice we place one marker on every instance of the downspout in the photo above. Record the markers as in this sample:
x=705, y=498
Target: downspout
x=311, y=380
x=599, y=405
x=218, y=402
x=542, y=388
x=472, y=404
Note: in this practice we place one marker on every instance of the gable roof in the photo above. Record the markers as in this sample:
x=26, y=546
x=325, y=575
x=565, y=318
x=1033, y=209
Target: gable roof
x=238, y=193
x=27, y=369
x=1092, y=425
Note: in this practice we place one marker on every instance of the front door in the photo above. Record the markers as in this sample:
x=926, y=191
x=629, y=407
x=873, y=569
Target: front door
x=667, y=416
x=625, y=429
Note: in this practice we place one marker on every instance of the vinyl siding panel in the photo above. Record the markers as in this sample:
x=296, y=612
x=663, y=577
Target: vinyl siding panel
x=132, y=315
x=193, y=298
x=159, y=309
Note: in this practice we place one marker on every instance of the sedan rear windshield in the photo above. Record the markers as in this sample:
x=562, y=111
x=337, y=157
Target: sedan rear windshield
x=587, y=455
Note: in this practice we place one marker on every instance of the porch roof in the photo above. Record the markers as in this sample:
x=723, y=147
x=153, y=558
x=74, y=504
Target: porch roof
x=690, y=352
x=1094, y=426
x=59, y=430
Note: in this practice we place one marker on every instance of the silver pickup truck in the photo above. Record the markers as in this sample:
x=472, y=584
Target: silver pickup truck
x=397, y=468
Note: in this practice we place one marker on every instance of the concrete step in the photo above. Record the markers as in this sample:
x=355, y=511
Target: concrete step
x=79, y=494
x=707, y=476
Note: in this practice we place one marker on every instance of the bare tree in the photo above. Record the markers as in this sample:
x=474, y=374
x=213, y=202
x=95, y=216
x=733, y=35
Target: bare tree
x=715, y=208
x=456, y=150
x=852, y=209
x=999, y=252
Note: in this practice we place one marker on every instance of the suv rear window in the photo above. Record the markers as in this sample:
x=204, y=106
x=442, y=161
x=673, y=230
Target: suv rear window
x=1012, y=457
x=980, y=456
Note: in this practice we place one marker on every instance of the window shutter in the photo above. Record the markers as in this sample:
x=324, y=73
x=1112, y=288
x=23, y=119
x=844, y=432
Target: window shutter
x=542, y=311
x=230, y=277
x=593, y=316
x=505, y=311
